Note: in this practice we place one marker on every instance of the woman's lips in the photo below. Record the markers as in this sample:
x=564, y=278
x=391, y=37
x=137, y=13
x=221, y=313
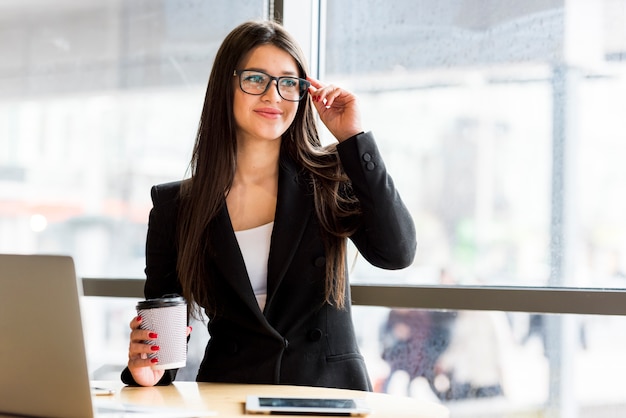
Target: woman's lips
x=269, y=112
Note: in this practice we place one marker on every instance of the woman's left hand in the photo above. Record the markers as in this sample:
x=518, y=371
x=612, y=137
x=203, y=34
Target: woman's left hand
x=338, y=109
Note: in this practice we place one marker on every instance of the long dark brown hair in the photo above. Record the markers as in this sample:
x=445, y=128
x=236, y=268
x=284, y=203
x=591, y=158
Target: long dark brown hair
x=213, y=166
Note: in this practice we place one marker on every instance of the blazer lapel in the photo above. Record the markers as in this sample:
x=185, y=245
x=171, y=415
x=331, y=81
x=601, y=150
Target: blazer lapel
x=293, y=209
x=228, y=258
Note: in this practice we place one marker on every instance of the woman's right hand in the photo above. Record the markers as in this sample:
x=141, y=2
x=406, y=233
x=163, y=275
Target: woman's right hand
x=138, y=361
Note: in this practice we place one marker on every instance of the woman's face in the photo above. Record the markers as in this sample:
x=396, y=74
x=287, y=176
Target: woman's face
x=267, y=116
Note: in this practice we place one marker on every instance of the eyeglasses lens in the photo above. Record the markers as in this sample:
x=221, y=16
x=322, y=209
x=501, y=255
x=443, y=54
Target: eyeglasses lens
x=289, y=88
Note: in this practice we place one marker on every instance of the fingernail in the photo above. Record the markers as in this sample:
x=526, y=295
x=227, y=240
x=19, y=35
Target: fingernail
x=154, y=360
x=138, y=318
x=153, y=335
x=155, y=348
x=190, y=328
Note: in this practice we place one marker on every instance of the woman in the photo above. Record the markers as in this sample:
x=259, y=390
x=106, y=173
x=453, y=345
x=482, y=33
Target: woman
x=257, y=236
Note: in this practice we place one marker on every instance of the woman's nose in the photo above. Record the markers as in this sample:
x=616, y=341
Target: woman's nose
x=272, y=92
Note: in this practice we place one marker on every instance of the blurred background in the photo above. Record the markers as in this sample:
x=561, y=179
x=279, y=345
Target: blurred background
x=502, y=123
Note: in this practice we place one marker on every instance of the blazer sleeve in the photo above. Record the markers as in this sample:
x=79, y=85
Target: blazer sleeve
x=161, y=247
x=386, y=234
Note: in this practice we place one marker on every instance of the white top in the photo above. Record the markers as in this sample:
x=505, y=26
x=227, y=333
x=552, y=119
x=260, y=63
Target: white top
x=255, y=248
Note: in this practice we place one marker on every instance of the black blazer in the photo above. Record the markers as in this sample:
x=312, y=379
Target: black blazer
x=298, y=339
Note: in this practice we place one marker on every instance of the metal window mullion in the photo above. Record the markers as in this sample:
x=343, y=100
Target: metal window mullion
x=507, y=299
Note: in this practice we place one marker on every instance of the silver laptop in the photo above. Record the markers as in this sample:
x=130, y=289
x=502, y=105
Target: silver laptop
x=43, y=362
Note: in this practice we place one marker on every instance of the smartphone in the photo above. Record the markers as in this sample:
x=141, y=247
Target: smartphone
x=306, y=406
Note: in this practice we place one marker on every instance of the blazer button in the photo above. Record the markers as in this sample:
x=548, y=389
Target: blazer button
x=320, y=262
x=367, y=157
x=314, y=334
x=370, y=166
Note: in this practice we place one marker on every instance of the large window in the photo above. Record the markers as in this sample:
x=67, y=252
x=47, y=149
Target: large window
x=501, y=123
x=99, y=100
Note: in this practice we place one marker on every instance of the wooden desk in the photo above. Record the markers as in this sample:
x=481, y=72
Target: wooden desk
x=228, y=399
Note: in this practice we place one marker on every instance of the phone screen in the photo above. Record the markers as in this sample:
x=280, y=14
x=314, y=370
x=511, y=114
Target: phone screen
x=307, y=403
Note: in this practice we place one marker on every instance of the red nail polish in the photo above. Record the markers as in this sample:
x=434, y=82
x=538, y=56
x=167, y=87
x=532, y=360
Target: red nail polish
x=155, y=348
x=154, y=360
x=138, y=318
x=153, y=335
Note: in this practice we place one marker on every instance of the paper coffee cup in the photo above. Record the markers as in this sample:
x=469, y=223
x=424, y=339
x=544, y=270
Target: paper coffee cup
x=167, y=317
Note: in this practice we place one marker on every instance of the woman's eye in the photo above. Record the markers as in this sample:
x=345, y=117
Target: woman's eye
x=289, y=82
x=255, y=79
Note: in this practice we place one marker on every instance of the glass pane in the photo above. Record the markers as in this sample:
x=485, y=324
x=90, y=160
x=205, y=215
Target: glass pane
x=501, y=124
x=477, y=363
x=99, y=100
x=495, y=364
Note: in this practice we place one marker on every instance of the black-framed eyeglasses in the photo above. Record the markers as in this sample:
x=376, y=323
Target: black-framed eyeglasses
x=257, y=82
